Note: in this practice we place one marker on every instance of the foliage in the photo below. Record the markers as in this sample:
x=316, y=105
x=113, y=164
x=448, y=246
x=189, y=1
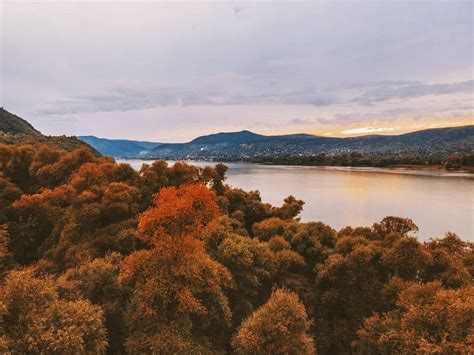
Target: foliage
x=170, y=259
x=427, y=319
x=280, y=326
x=176, y=287
x=34, y=319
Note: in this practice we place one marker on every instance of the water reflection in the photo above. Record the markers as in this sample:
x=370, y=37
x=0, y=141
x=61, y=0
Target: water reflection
x=437, y=201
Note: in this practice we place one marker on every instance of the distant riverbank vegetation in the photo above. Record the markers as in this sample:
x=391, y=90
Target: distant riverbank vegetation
x=356, y=159
x=96, y=257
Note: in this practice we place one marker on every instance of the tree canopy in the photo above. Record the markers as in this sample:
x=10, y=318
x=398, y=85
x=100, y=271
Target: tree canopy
x=96, y=257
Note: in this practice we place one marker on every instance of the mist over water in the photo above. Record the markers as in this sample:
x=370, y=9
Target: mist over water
x=438, y=202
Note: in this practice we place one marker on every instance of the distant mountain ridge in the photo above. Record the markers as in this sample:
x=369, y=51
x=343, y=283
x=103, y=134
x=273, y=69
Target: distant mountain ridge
x=121, y=148
x=248, y=144
x=434, y=142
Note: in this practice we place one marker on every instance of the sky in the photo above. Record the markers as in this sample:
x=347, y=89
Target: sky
x=171, y=71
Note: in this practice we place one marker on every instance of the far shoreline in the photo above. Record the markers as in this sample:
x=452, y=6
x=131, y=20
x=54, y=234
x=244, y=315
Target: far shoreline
x=402, y=169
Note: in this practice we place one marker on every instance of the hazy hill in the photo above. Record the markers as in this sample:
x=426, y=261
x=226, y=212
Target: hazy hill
x=16, y=130
x=248, y=144
x=119, y=147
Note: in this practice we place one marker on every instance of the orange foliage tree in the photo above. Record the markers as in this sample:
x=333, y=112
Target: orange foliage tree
x=178, y=302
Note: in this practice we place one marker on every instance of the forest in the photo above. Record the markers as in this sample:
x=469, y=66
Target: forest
x=98, y=258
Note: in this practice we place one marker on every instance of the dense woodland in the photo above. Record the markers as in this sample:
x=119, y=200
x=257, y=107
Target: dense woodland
x=99, y=258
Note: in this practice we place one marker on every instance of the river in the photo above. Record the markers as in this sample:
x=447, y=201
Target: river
x=437, y=201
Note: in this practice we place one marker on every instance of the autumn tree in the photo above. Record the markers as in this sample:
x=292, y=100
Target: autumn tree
x=15, y=162
x=256, y=266
x=391, y=224
x=97, y=281
x=246, y=206
x=347, y=289
x=9, y=193
x=91, y=215
x=407, y=258
x=290, y=209
x=253, y=267
x=428, y=319
x=6, y=260
x=215, y=176
x=178, y=301
x=452, y=261
x=280, y=326
x=34, y=319
x=249, y=208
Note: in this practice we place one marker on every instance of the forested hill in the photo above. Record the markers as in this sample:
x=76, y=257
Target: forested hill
x=12, y=124
x=440, y=141
x=16, y=130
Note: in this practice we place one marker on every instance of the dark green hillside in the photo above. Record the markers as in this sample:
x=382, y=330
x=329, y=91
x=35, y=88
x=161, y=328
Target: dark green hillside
x=432, y=142
x=229, y=138
x=12, y=124
x=16, y=130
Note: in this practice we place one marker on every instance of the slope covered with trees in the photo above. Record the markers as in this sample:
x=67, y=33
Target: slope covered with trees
x=12, y=124
x=99, y=258
x=16, y=130
x=430, y=143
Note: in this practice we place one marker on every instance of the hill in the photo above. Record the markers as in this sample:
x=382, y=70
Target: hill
x=12, y=124
x=243, y=144
x=16, y=130
x=119, y=147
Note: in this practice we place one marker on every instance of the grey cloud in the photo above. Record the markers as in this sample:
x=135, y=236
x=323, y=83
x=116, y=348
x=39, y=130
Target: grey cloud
x=128, y=99
x=389, y=91
x=124, y=98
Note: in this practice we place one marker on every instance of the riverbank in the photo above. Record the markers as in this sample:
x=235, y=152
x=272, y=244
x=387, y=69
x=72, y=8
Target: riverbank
x=401, y=168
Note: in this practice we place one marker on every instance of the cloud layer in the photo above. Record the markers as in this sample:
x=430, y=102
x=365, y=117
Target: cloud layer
x=169, y=71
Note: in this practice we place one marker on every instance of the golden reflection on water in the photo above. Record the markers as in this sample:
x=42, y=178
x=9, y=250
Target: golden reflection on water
x=436, y=201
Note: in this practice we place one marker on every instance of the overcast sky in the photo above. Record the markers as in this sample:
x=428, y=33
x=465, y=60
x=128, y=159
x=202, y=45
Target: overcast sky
x=172, y=71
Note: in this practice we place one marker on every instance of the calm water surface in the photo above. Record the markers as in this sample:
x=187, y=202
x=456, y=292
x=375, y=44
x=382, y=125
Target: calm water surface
x=437, y=201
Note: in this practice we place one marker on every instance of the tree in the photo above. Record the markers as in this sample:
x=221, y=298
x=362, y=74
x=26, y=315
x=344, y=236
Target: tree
x=290, y=208
x=391, y=224
x=253, y=267
x=407, y=258
x=459, y=252
x=348, y=288
x=428, y=319
x=179, y=213
x=216, y=176
x=97, y=281
x=177, y=289
x=34, y=319
x=9, y=193
x=79, y=220
x=247, y=206
x=6, y=261
x=280, y=326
